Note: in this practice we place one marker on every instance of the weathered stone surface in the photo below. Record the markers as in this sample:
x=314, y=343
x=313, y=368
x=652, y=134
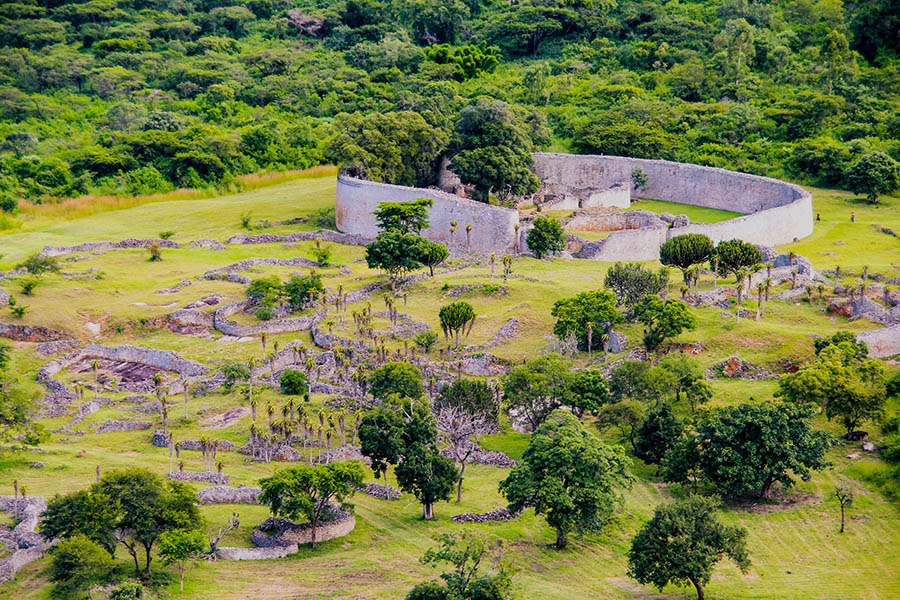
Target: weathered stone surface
x=232, y=553
x=480, y=456
x=343, y=453
x=160, y=439
x=113, y=426
x=29, y=546
x=29, y=333
x=617, y=342
x=498, y=514
x=203, y=476
x=735, y=368
x=381, y=490
x=883, y=342
x=223, y=494
x=285, y=453
x=58, y=347
x=484, y=364
x=282, y=532
x=508, y=331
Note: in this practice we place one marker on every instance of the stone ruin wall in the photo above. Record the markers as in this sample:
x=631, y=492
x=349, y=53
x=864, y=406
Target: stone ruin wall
x=493, y=227
x=775, y=212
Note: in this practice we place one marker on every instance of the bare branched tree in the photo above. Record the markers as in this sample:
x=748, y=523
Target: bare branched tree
x=460, y=431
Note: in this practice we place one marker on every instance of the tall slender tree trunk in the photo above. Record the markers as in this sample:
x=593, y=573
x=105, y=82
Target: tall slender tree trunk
x=462, y=473
x=842, y=517
x=561, y=540
x=699, y=588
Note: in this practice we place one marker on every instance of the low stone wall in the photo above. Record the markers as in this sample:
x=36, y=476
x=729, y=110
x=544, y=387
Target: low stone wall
x=232, y=553
x=202, y=476
x=493, y=227
x=30, y=546
x=90, y=246
x=326, y=235
x=29, y=333
x=221, y=323
x=289, y=533
x=617, y=195
x=223, y=494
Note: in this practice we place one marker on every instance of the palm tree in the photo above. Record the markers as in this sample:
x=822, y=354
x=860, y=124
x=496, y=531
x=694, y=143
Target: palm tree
x=740, y=290
x=253, y=403
x=590, y=335
x=270, y=410
x=452, y=232
x=821, y=288
x=184, y=388
x=865, y=272
x=250, y=364
x=358, y=415
x=715, y=266
x=468, y=236
x=95, y=365
x=760, y=287
x=330, y=335
x=809, y=291
x=493, y=259
x=768, y=287
x=517, y=237
x=164, y=406
x=262, y=338
x=793, y=278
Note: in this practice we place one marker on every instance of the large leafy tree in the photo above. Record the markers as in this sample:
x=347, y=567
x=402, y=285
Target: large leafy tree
x=306, y=491
x=179, y=547
x=657, y=434
x=847, y=384
x=595, y=310
x=685, y=251
x=533, y=391
x=77, y=564
x=395, y=253
x=394, y=147
x=569, y=476
x=662, y=318
x=746, y=449
x=545, y=237
x=639, y=380
x=682, y=543
x=401, y=378
x=472, y=396
x=874, y=174
x=499, y=170
x=148, y=506
x=90, y=513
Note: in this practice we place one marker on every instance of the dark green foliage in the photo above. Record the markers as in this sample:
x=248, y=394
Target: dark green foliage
x=663, y=319
x=596, y=309
x=264, y=287
x=690, y=380
x=874, y=174
x=746, y=449
x=569, y=476
x=293, y=383
x=302, y=289
x=432, y=254
x=682, y=543
x=425, y=340
x=469, y=555
x=892, y=387
x=469, y=61
x=734, y=255
x=535, y=390
x=473, y=396
x=638, y=380
x=304, y=490
x=39, y=265
x=843, y=381
x=77, y=564
x=659, y=432
x=91, y=514
x=130, y=590
x=405, y=217
x=395, y=253
x=455, y=318
x=685, y=251
x=234, y=372
x=589, y=391
x=399, y=378
x=545, y=237
x=632, y=281
x=381, y=438
x=15, y=405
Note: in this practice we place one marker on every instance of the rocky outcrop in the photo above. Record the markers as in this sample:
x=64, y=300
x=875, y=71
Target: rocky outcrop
x=28, y=545
x=484, y=364
x=882, y=343
x=508, y=331
x=735, y=368
x=57, y=347
x=223, y=494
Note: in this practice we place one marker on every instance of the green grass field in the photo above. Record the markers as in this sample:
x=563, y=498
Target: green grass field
x=795, y=548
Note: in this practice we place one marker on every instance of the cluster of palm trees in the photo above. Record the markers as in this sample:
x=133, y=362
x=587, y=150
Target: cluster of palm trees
x=296, y=424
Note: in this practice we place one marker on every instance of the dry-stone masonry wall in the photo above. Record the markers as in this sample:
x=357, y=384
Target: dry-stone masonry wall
x=29, y=545
x=776, y=212
x=223, y=494
x=493, y=227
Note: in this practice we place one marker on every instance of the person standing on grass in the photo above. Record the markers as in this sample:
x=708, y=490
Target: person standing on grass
x=853, y=217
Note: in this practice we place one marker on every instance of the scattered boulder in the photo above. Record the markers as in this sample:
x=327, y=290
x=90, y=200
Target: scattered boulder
x=227, y=418
x=617, y=342
x=160, y=439
x=286, y=453
x=58, y=347
x=857, y=436
x=868, y=447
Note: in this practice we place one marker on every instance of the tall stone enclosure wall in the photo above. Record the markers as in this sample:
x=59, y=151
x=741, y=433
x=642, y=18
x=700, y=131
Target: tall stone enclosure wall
x=493, y=227
x=775, y=212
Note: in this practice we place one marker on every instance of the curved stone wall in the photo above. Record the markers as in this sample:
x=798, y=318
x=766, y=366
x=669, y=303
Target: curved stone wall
x=493, y=227
x=775, y=212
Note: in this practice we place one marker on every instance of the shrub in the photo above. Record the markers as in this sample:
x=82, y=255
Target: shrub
x=300, y=290
x=293, y=382
x=322, y=254
x=9, y=204
x=890, y=450
x=265, y=313
x=165, y=235
x=264, y=286
x=234, y=372
x=893, y=385
x=546, y=237
x=38, y=265
x=425, y=340
x=130, y=590
x=155, y=252
x=28, y=286
x=891, y=425
x=246, y=217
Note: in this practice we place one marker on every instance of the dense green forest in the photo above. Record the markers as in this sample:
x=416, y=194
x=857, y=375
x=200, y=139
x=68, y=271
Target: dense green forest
x=137, y=96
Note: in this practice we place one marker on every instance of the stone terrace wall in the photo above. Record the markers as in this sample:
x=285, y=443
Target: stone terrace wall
x=493, y=227
x=776, y=212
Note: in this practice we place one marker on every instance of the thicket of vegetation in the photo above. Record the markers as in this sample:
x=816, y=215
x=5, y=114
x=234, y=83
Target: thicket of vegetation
x=136, y=96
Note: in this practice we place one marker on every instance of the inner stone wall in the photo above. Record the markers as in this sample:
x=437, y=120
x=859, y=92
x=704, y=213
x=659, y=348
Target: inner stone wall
x=493, y=227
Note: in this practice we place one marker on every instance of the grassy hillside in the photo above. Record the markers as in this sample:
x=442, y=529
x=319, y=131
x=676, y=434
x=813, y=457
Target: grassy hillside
x=794, y=545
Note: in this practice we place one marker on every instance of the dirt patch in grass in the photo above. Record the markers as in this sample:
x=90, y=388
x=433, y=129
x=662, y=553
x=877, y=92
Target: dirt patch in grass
x=639, y=591
x=782, y=500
